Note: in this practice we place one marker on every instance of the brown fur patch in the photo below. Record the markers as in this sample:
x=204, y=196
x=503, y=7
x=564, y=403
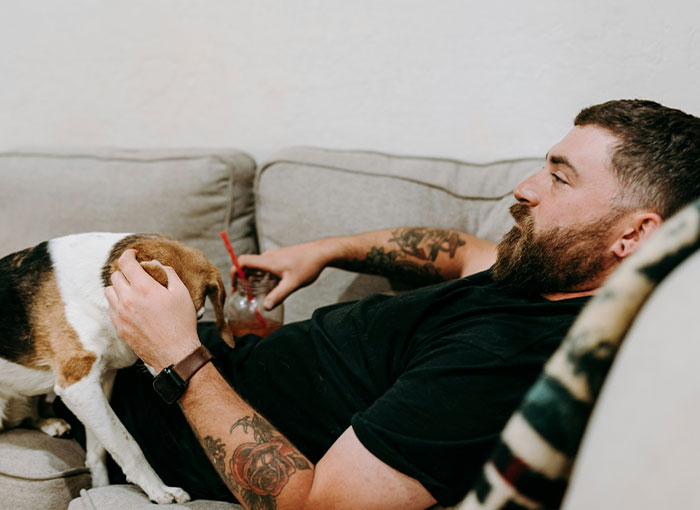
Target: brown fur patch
x=200, y=276
x=56, y=343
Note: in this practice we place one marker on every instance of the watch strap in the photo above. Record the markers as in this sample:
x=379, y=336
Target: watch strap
x=190, y=364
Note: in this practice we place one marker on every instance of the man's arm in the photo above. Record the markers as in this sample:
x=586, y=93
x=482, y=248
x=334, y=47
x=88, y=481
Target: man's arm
x=417, y=255
x=260, y=466
x=264, y=471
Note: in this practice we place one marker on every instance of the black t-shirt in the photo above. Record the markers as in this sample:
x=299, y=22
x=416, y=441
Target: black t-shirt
x=427, y=379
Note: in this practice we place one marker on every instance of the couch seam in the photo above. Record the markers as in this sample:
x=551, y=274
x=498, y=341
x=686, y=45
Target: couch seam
x=374, y=175
x=64, y=474
x=414, y=157
x=116, y=158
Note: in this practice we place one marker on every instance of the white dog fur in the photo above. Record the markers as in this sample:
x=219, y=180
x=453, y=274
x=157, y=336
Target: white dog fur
x=57, y=335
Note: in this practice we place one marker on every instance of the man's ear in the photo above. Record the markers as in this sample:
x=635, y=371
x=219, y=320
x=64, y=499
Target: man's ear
x=638, y=228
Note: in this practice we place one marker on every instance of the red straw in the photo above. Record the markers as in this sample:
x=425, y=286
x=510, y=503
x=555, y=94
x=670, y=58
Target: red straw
x=241, y=275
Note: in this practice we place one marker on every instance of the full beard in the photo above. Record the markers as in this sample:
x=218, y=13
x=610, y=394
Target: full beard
x=555, y=260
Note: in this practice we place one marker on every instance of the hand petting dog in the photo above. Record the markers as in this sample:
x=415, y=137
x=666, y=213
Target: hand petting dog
x=159, y=323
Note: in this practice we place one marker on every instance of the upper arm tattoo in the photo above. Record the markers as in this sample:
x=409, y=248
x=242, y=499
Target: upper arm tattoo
x=413, y=260
x=257, y=470
x=427, y=243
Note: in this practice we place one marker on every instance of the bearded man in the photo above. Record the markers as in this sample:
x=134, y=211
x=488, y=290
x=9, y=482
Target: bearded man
x=395, y=402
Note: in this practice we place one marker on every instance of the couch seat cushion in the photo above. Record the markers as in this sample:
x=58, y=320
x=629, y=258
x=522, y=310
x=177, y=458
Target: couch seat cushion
x=39, y=471
x=121, y=497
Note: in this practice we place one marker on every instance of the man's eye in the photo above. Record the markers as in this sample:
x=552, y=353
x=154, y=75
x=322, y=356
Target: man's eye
x=557, y=179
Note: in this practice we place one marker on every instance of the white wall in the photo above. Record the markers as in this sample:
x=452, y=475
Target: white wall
x=465, y=79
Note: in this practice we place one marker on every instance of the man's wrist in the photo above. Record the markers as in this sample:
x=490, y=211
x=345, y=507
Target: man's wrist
x=174, y=354
x=172, y=381
x=337, y=251
x=195, y=384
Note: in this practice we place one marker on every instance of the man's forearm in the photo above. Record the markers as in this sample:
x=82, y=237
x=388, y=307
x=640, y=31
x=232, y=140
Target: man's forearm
x=416, y=255
x=260, y=466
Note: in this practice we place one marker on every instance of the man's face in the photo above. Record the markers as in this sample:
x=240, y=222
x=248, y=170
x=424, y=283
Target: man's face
x=565, y=222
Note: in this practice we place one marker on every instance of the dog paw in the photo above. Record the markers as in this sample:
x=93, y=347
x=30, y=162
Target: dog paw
x=55, y=427
x=169, y=495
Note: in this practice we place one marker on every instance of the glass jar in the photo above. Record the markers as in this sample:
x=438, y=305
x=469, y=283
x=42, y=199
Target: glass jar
x=244, y=310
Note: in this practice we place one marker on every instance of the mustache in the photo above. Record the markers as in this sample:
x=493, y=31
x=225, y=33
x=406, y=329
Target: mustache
x=520, y=212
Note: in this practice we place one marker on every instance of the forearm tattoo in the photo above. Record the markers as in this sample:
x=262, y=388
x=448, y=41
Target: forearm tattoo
x=413, y=260
x=257, y=471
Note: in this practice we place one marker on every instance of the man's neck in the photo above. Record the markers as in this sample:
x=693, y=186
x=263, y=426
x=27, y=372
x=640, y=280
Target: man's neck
x=558, y=296
x=587, y=289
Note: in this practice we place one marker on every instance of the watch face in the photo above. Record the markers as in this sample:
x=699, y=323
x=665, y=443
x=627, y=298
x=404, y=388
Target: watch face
x=169, y=385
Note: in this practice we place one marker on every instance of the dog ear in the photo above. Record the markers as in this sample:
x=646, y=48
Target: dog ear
x=156, y=270
x=217, y=295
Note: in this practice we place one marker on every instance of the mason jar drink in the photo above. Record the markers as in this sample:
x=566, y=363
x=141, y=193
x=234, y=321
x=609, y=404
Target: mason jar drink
x=244, y=310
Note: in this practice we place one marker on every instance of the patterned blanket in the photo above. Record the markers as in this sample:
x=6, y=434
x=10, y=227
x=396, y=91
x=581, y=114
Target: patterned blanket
x=532, y=462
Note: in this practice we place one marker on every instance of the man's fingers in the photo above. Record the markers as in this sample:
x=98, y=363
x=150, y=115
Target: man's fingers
x=112, y=297
x=247, y=260
x=119, y=281
x=173, y=278
x=254, y=262
x=283, y=289
x=138, y=277
x=132, y=270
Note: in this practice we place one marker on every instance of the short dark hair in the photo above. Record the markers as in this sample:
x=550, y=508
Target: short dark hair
x=657, y=159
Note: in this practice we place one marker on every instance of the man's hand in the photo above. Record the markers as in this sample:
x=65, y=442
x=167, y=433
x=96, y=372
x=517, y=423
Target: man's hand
x=297, y=266
x=159, y=323
x=418, y=255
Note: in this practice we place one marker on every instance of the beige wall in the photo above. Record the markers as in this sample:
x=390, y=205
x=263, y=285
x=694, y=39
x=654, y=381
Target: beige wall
x=466, y=79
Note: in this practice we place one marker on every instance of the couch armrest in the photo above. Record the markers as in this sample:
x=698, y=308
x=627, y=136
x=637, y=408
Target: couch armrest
x=641, y=444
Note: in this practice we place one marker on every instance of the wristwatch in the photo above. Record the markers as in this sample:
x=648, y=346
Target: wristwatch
x=172, y=381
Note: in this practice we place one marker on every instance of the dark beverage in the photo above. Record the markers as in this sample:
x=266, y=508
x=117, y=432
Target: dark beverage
x=244, y=307
x=240, y=328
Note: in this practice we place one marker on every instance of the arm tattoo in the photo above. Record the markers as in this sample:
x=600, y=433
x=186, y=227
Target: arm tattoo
x=415, y=241
x=423, y=244
x=258, y=470
x=217, y=452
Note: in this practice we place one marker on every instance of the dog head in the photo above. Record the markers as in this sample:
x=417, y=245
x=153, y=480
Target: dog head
x=200, y=276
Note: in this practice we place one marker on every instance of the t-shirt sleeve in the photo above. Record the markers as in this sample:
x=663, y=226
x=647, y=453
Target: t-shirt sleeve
x=440, y=420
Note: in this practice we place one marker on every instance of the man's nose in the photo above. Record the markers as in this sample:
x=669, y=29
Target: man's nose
x=526, y=192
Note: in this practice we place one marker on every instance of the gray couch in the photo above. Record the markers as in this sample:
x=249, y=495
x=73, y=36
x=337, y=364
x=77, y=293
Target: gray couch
x=301, y=194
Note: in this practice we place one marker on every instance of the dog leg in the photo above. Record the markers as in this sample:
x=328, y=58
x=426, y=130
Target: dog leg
x=108, y=383
x=96, y=455
x=44, y=419
x=17, y=411
x=54, y=427
x=87, y=401
x=96, y=459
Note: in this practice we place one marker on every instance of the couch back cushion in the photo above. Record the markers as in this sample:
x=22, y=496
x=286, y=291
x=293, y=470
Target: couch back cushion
x=307, y=193
x=190, y=195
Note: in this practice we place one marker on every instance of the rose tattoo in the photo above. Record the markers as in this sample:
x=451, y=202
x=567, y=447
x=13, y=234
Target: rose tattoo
x=261, y=469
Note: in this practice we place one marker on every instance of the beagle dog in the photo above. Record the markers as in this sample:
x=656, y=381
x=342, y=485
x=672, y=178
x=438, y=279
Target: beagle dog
x=57, y=335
